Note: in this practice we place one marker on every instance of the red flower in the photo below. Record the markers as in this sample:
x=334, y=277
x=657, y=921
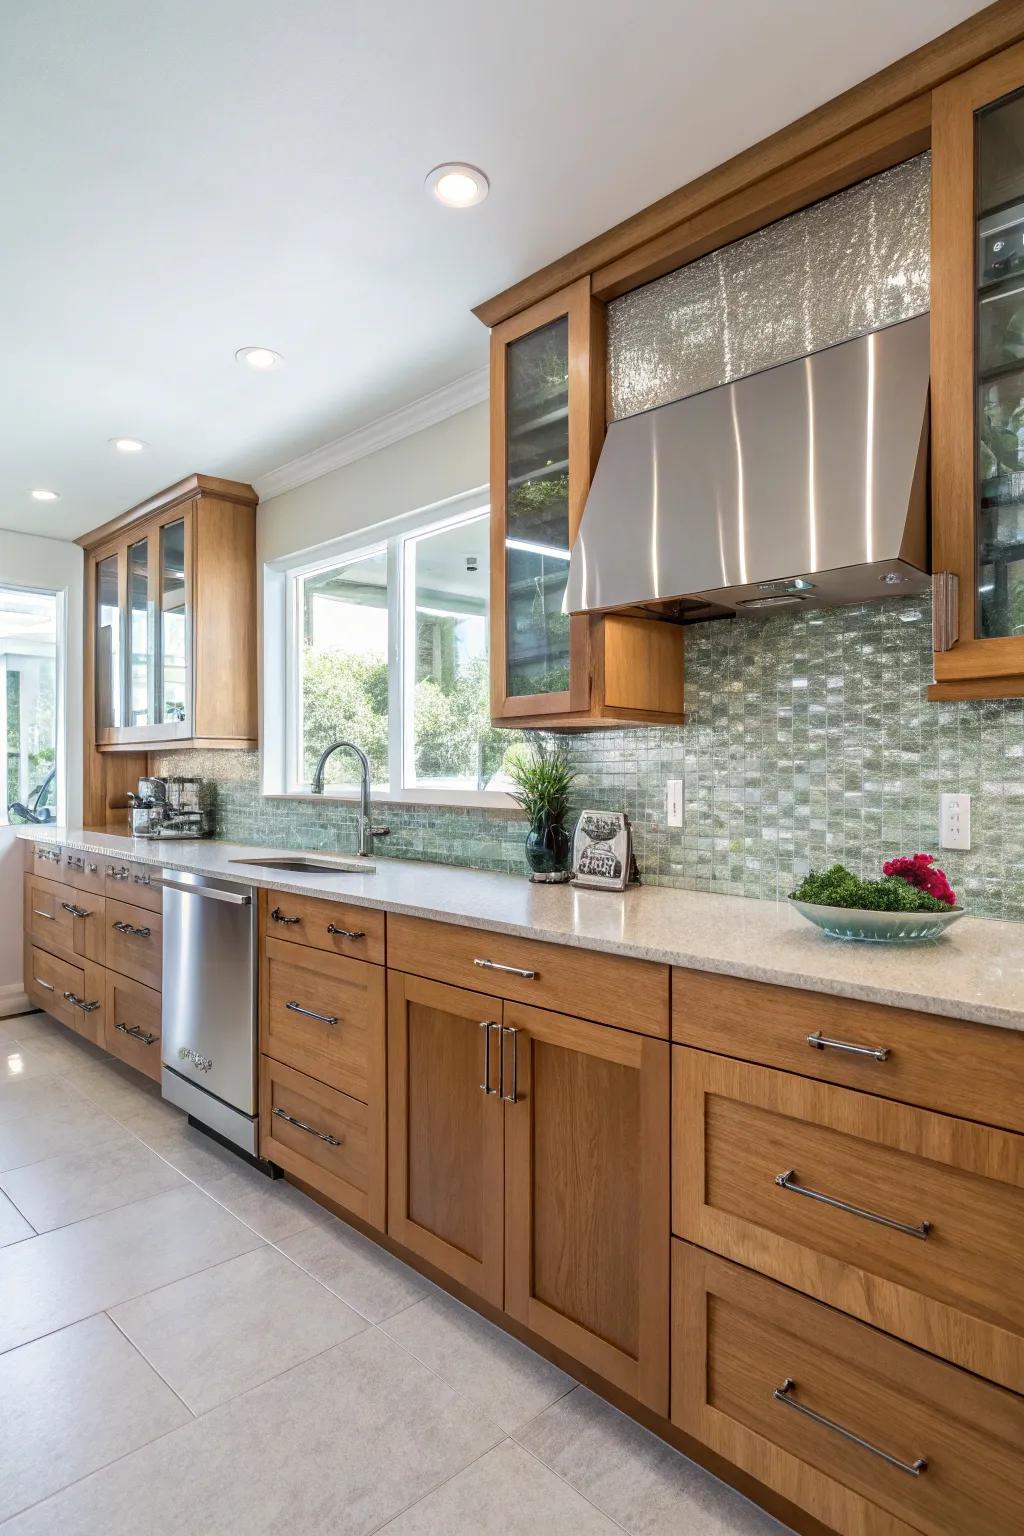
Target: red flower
x=918, y=871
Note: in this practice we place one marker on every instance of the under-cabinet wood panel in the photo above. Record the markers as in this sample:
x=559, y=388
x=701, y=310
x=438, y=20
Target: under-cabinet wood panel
x=739, y=1338
x=334, y=926
x=324, y=1015
x=910, y=1220
x=131, y=1027
x=68, y=921
x=134, y=942
x=331, y=1141
x=445, y=1130
x=963, y=1069
x=612, y=989
x=587, y=1193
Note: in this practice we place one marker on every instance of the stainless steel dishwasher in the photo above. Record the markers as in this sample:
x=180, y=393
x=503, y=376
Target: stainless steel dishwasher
x=209, y=1047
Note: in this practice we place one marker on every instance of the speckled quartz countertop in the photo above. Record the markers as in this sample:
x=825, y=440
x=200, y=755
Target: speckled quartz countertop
x=976, y=971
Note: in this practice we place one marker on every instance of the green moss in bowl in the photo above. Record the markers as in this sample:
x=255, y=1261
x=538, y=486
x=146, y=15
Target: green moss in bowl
x=839, y=887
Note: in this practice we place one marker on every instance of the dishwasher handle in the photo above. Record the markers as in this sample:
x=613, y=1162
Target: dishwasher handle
x=233, y=898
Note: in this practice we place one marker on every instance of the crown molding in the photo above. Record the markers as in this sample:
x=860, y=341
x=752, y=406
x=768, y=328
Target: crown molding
x=458, y=396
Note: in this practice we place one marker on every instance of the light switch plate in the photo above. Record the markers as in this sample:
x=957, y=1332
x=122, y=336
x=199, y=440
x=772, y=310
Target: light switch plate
x=674, y=802
x=954, y=821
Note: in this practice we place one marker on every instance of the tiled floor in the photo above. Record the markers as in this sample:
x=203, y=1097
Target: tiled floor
x=188, y=1348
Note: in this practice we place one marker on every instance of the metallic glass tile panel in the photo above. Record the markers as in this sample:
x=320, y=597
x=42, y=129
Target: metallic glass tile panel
x=850, y=264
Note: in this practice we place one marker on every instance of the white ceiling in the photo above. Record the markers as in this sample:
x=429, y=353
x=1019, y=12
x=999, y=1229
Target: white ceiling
x=181, y=178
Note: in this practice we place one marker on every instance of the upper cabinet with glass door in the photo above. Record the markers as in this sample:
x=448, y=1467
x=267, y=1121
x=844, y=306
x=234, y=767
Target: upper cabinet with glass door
x=978, y=379
x=547, y=427
x=171, y=637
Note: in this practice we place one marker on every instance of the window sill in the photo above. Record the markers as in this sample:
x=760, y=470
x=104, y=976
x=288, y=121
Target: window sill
x=449, y=799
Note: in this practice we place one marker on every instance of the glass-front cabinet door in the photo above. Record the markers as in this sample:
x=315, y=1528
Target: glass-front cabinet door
x=173, y=680
x=141, y=636
x=978, y=379
x=107, y=641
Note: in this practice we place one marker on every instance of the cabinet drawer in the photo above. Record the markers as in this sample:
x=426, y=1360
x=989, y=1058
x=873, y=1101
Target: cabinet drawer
x=330, y=1141
x=748, y=1355
x=60, y=918
x=133, y=883
x=324, y=1015
x=134, y=940
x=71, y=993
x=85, y=871
x=910, y=1220
x=43, y=859
x=970, y=1070
x=131, y=1028
x=613, y=989
x=328, y=925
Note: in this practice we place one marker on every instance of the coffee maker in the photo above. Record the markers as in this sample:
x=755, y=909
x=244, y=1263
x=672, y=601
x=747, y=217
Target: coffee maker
x=167, y=808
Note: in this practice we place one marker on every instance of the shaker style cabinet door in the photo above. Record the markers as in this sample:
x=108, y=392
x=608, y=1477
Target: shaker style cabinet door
x=445, y=1130
x=587, y=1194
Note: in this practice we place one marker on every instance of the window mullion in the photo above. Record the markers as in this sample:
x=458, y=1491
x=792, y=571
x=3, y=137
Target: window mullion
x=396, y=664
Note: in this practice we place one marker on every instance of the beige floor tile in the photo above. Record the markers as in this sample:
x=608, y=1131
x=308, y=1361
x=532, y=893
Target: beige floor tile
x=217, y=1334
x=23, y=1060
x=355, y=1269
x=637, y=1479
x=83, y=1183
x=272, y=1207
x=63, y=1276
x=72, y=1125
x=505, y=1493
x=114, y=1087
x=333, y=1448
x=73, y=1402
x=506, y=1380
x=30, y=1095
x=13, y=1226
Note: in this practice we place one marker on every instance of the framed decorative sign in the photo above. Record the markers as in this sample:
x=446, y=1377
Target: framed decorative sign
x=602, y=854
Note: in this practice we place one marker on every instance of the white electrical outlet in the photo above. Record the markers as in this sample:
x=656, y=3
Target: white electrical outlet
x=954, y=821
x=674, y=802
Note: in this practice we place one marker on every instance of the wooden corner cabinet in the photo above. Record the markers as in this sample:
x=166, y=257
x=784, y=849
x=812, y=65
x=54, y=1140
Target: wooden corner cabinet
x=978, y=378
x=548, y=404
x=170, y=632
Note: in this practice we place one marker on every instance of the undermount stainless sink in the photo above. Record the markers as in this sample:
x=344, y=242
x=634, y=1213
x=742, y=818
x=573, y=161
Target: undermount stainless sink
x=311, y=866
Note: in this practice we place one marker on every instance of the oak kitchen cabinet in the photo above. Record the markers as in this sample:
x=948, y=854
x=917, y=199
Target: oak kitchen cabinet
x=547, y=427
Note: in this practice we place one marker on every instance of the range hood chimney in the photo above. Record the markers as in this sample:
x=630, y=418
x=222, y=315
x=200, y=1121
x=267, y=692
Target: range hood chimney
x=802, y=486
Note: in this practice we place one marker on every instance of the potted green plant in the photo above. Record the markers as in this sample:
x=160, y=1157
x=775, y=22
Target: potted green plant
x=543, y=778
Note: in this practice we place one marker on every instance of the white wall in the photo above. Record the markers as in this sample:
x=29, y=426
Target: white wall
x=55, y=566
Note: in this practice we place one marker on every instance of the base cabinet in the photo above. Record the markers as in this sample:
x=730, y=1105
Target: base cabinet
x=131, y=1025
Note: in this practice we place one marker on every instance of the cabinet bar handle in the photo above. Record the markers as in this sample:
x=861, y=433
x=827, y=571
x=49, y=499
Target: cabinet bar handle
x=116, y=874
x=787, y=1181
x=346, y=933
x=311, y=1013
x=783, y=1394
x=79, y=1002
x=135, y=933
x=507, y=1029
x=40, y=983
x=137, y=1033
x=69, y=906
x=487, y=1025
x=277, y=916
x=48, y=915
x=509, y=970
x=332, y=1141
x=822, y=1042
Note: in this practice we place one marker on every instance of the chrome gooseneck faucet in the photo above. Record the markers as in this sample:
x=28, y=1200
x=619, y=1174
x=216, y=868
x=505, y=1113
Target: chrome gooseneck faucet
x=367, y=831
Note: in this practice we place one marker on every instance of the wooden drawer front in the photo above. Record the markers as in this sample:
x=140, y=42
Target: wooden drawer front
x=962, y=1069
x=131, y=1027
x=324, y=1015
x=85, y=871
x=613, y=989
x=60, y=918
x=327, y=1139
x=133, y=883
x=43, y=859
x=738, y=1338
x=134, y=939
x=921, y=1229
x=71, y=993
x=329, y=925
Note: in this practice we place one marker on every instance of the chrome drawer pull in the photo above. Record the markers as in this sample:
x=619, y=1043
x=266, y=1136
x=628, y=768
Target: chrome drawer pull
x=278, y=916
x=137, y=1033
x=509, y=970
x=487, y=1025
x=48, y=915
x=79, y=1002
x=787, y=1181
x=311, y=1013
x=116, y=874
x=40, y=983
x=135, y=933
x=507, y=1029
x=332, y=1141
x=69, y=906
x=783, y=1395
x=821, y=1042
x=346, y=933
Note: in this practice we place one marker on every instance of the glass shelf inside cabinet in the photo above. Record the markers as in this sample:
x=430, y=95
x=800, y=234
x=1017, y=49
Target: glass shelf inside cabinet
x=537, y=510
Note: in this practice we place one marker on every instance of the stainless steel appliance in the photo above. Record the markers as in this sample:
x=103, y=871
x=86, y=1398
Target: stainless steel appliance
x=208, y=1033
x=802, y=486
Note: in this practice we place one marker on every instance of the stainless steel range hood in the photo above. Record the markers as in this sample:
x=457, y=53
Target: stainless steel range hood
x=803, y=485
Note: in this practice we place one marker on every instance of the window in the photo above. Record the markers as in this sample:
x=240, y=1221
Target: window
x=28, y=704
x=385, y=644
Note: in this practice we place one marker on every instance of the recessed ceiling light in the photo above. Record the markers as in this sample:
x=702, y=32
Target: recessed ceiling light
x=260, y=358
x=457, y=185
x=126, y=444
x=41, y=495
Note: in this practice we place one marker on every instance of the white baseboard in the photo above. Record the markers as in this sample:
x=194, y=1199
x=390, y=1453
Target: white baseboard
x=14, y=1000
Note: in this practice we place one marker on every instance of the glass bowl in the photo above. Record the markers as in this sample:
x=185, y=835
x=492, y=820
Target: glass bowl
x=877, y=927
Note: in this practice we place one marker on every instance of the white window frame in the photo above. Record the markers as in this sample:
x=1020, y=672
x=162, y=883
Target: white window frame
x=61, y=663
x=282, y=652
